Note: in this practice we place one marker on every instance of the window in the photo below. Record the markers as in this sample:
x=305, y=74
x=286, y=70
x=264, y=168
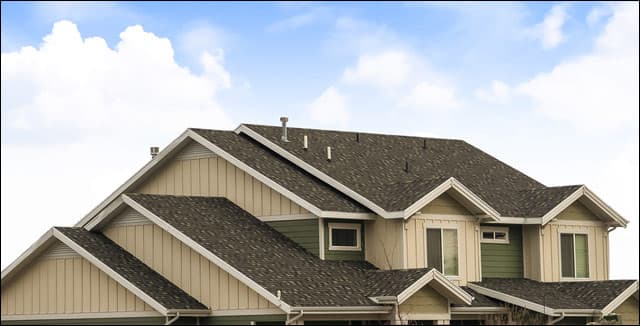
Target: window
x=494, y=234
x=442, y=250
x=344, y=236
x=574, y=255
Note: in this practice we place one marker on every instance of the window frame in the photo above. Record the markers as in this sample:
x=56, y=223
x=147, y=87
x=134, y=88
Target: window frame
x=426, y=249
x=494, y=229
x=345, y=226
x=575, y=268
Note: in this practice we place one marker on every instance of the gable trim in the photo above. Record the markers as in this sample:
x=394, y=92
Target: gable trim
x=587, y=193
x=207, y=254
x=430, y=276
x=615, y=303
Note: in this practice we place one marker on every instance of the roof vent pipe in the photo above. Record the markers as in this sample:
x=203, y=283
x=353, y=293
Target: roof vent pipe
x=406, y=166
x=284, y=121
x=154, y=151
x=305, y=142
x=424, y=143
x=328, y=153
x=358, y=137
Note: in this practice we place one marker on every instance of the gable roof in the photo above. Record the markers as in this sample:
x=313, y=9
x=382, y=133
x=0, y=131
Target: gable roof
x=372, y=168
x=123, y=267
x=275, y=263
x=552, y=298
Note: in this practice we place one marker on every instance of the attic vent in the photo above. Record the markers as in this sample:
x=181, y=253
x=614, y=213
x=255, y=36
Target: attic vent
x=328, y=153
x=60, y=250
x=154, y=151
x=130, y=217
x=284, y=121
x=305, y=142
x=194, y=150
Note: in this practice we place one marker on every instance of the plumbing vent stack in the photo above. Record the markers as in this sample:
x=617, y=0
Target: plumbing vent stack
x=305, y=142
x=328, y=153
x=284, y=121
x=424, y=144
x=406, y=166
x=358, y=137
x=154, y=151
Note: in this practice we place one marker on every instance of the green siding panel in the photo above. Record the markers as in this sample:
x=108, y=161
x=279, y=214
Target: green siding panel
x=342, y=254
x=503, y=260
x=303, y=232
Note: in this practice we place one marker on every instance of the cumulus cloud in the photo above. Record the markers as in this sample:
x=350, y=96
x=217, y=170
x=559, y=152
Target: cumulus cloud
x=330, y=108
x=549, y=31
x=385, y=69
x=497, y=92
x=432, y=97
x=597, y=14
x=78, y=118
x=599, y=90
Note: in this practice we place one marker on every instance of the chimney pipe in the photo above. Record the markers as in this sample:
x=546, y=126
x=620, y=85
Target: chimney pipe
x=284, y=121
x=154, y=151
x=328, y=153
x=305, y=142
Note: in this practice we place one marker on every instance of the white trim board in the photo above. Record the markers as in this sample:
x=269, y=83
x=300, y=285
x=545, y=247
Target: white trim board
x=615, y=303
x=85, y=315
x=593, y=200
x=455, y=291
x=206, y=253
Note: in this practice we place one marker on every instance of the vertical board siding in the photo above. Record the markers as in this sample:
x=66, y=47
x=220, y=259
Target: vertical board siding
x=303, y=232
x=63, y=286
x=186, y=268
x=502, y=260
x=384, y=248
x=531, y=252
x=214, y=176
x=343, y=254
x=628, y=312
x=426, y=301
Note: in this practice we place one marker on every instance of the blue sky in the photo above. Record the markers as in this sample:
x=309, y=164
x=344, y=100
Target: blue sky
x=550, y=88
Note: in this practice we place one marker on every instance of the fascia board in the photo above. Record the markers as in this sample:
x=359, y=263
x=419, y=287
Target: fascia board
x=39, y=245
x=615, y=303
x=513, y=300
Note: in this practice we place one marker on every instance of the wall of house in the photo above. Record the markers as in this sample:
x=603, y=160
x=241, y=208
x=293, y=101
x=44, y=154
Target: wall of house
x=344, y=254
x=503, y=260
x=531, y=252
x=184, y=267
x=304, y=232
x=61, y=282
x=628, y=312
x=196, y=171
x=426, y=304
x=384, y=246
x=575, y=219
x=445, y=212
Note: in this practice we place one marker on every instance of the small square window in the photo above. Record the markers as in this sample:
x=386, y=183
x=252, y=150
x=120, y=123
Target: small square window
x=344, y=236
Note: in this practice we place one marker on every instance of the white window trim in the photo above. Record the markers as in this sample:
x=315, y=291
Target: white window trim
x=573, y=235
x=494, y=229
x=346, y=226
x=441, y=228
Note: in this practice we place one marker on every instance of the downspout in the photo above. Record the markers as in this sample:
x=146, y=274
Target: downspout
x=553, y=322
x=172, y=320
x=292, y=320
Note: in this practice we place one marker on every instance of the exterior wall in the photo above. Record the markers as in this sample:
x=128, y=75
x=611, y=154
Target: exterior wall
x=195, y=175
x=444, y=212
x=531, y=252
x=575, y=219
x=344, y=254
x=426, y=304
x=628, y=312
x=185, y=268
x=303, y=232
x=61, y=285
x=384, y=246
x=503, y=260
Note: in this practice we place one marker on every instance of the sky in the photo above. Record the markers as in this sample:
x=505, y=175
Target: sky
x=87, y=88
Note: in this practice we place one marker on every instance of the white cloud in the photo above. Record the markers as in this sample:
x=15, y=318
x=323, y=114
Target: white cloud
x=599, y=90
x=430, y=97
x=549, y=31
x=297, y=21
x=497, y=92
x=330, y=108
x=78, y=118
x=596, y=15
x=200, y=38
x=385, y=69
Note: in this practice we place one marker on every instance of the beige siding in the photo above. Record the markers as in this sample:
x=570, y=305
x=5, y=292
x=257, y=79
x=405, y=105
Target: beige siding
x=597, y=243
x=445, y=212
x=426, y=304
x=384, y=243
x=628, y=312
x=214, y=176
x=531, y=251
x=63, y=285
x=577, y=212
x=184, y=267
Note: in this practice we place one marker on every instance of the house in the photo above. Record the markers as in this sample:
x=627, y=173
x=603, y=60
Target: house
x=270, y=224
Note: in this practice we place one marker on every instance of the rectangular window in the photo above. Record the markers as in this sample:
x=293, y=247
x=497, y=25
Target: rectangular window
x=574, y=255
x=492, y=234
x=344, y=236
x=442, y=250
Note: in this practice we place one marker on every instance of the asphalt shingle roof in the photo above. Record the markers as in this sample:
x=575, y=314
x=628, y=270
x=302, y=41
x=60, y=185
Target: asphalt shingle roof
x=135, y=271
x=479, y=300
x=374, y=165
x=271, y=259
x=560, y=295
x=281, y=171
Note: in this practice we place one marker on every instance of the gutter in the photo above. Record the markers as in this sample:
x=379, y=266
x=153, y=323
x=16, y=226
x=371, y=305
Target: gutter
x=553, y=322
x=172, y=320
x=292, y=320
